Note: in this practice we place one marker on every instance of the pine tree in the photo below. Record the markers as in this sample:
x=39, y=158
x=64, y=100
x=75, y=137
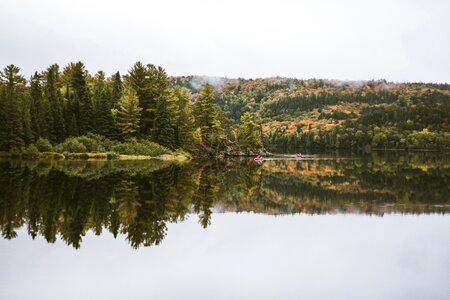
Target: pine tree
x=104, y=123
x=138, y=78
x=163, y=131
x=206, y=115
x=13, y=93
x=36, y=99
x=248, y=136
x=72, y=126
x=166, y=112
x=52, y=93
x=25, y=108
x=81, y=100
x=152, y=88
x=185, y=127
x=128, y=114
x=3, y=116
x=116, y=87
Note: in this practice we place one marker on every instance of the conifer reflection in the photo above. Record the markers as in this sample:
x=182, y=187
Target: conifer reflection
x=65, y=200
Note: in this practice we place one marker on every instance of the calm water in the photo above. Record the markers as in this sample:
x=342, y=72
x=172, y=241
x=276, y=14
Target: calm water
x=373, y=227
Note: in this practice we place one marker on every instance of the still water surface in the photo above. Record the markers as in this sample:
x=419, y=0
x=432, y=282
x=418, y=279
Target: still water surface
x=374, y=227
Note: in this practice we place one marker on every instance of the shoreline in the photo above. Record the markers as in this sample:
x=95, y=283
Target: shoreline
x=95, y=156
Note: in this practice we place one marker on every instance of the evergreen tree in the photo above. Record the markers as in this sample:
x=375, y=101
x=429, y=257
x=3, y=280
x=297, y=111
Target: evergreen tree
x=128, y=114
x=116, y=87
x=138, y=78
x=3, y=116
x=52, y=93
x=152, y=88
x=81, y=100
x=166, y=112
x=185, y=126
x=206, y=115
x=163, y=131
x=248, y=136
x=12, y=131
x=36, y=109
x=72, y=126
x=25, y=115
x=104, y=123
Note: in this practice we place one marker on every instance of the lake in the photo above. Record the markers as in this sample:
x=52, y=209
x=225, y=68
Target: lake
x=323, y=227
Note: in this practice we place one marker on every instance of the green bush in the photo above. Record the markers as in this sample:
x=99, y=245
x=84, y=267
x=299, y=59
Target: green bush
x=92, y=143
x=30, y=152
x=51, y=155
x=71, y=145
x=43, y=145
x=98, y=143
x=140, y=148
x=85, y=155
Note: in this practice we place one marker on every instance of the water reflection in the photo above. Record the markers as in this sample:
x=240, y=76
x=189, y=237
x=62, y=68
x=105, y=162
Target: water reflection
x=138, y=199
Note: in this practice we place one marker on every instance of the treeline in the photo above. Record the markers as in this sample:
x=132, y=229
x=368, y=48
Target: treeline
x=408, y=123
x=143, y=105
x=357, y=139
x=56, y=105
x=356, y=116
x=238, y=117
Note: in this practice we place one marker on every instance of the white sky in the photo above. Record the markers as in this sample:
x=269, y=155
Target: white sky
x=242, y=256
x=401, y=40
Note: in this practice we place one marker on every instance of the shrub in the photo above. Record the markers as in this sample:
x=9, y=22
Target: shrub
x=51, y=155
x=140, y=148
x=85, y=155
x=31, y=151
x=43, y=145
x=92, y=143
x=71, y=145
x=98, y=143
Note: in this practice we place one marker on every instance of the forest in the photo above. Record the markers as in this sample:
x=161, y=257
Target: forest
x=322, y=115
x=57, y=112
x=71, y=111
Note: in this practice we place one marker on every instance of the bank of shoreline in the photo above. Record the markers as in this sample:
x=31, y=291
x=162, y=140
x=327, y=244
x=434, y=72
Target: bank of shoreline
x=175, y=157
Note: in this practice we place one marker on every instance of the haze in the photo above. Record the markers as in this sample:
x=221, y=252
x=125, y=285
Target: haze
x=349, y=40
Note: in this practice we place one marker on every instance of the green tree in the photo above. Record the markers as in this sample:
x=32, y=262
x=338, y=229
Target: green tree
x=138, y=78
x=36, y=105
x=248, y=136
x=185, y=126
x=207, y=115
x=116, y=87
x=80, y=98
x=163, y=131
x=104, y=123
x=52, y=94
x=128, y=114
x=12, y=129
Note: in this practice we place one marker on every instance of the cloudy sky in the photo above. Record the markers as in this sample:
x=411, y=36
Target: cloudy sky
x=403, y=40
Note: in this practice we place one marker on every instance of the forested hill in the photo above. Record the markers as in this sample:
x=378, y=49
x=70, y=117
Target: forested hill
x=331, y=114
x=147, y=112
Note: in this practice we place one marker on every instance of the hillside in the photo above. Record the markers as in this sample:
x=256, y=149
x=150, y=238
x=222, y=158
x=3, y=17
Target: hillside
x=329, y=114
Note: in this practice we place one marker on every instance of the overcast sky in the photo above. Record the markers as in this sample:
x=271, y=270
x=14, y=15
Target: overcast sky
x=402, y=40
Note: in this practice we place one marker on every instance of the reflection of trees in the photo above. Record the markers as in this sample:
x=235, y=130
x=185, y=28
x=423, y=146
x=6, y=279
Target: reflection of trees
x=126, y=197
x=138, y=200
x=206, y=195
